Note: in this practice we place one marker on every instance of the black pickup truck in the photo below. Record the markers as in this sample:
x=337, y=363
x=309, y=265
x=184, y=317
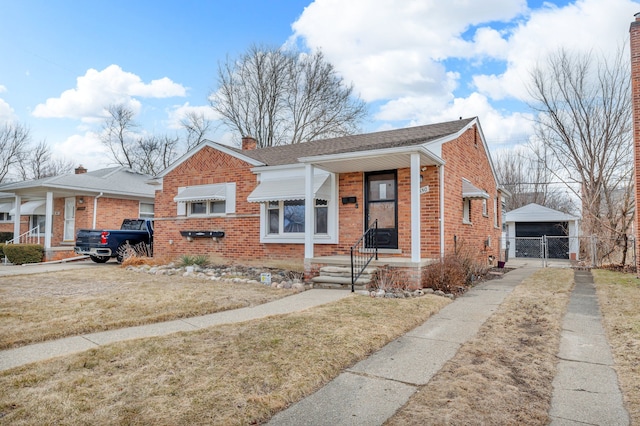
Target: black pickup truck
x=102, y=244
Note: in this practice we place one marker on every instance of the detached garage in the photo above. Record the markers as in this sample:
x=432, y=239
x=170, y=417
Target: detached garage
x=534, y=229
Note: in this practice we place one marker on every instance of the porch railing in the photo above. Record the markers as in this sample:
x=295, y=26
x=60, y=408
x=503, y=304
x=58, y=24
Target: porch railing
x=32, y=236
x=362, y=252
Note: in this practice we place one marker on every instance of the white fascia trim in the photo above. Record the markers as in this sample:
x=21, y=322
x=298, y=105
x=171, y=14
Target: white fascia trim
x=421, y=149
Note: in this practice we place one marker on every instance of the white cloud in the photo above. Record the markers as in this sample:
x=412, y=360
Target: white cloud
x=98, y=89
x=499, y=127
x=178, y=112
x=390, y=49
x=3, y=88
x=7, y=114
x=578, y=26
x=85, y=149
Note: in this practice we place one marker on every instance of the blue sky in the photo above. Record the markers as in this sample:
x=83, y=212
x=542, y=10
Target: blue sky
x=413, y=62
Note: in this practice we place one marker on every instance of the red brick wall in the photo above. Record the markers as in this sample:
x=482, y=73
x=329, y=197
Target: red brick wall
x=634, y=46
x=466, y=158
x=242, y=230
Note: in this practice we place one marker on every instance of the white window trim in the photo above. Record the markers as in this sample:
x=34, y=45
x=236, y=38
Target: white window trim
x=146, y=214
x=466, y=211
x=331, y=237
x=10, y=220
x=485, y=208
x=184, y=207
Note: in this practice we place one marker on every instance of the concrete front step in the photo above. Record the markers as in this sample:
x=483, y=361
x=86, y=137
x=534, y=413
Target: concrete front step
x=344, y=270
x=340, y=277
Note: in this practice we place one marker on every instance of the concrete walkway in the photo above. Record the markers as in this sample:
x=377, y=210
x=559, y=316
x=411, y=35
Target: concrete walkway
x=374, y=389
x=585, y=389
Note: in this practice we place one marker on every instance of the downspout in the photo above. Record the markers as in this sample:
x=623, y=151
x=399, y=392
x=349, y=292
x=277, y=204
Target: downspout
x=441, y=177
x=95, y=209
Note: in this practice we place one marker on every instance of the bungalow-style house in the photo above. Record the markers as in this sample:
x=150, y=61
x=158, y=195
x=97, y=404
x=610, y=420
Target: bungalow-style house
x=528, y=225
x=52, y=209
x=429, y=190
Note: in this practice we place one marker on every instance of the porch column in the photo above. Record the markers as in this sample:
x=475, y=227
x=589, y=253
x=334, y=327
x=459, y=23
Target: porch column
x=308, y=211
x=16, y=219
x=48, y=225
x=415, y=207
x=441, y=191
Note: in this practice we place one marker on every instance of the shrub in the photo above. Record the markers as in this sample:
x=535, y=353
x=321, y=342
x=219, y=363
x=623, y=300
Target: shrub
x=19, y=254
x=390, y=280
x=140, y=250
x=5, y=236
x=201, y=260
x=448, y=275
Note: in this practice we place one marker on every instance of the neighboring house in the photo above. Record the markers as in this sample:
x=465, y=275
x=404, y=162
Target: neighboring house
x=432, y=189
x=527, y=225
x=52, y=209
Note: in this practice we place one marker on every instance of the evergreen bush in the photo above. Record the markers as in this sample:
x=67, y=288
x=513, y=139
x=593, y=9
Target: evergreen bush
x=19, y=254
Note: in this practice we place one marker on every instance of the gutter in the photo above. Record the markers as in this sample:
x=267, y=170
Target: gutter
x=95, y=209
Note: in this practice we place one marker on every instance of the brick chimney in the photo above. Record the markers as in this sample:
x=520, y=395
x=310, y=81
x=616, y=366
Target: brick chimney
x=634, y=46
x=249, y=143
x=80, y=170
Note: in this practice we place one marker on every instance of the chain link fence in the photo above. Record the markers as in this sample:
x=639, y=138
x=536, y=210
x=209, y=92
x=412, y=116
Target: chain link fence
x=592, y=251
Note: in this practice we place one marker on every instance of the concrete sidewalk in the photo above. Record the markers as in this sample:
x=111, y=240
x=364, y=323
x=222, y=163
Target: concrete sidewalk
x=41, y=351
x=585, y=389
x=374, y=389
x=8, y=270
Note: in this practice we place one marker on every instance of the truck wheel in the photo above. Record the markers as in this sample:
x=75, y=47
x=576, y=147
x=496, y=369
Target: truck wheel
x=99, y=259
x=121, y=253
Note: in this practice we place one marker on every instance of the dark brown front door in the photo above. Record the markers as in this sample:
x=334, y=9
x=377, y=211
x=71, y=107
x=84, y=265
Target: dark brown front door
x=381, y=203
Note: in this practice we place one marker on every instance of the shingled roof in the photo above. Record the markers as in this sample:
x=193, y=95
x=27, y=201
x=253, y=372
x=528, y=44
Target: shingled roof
x=411, y=136
x=114, y=180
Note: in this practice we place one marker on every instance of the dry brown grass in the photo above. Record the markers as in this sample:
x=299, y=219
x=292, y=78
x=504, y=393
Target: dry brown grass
x=233, y=374
x=619, y=297
x=503, y=376
x=40, y=307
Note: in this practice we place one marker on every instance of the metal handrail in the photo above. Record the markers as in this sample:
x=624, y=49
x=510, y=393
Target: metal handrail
x=28, y=237
x=362, y=252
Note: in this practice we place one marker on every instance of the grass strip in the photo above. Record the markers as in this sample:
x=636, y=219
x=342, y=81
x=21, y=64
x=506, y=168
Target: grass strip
x=619, y=298
x=40, y=307
x=505, y=374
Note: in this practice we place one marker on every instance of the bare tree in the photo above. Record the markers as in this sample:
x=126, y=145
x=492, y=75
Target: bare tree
x=196, y=126
x=525, y=173
x=118, y=134
x=14, y=139
x=584, y=119
x=153, y=154
x=142, y=153
x=39, y=163
x=282, y=97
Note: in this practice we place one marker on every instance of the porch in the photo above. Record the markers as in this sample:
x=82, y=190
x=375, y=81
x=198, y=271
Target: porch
x=335, y=271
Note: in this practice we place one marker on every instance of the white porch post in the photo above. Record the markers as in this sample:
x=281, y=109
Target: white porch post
x=48, y=225
x=308, y=212
x=16, y=218
x=415, y=207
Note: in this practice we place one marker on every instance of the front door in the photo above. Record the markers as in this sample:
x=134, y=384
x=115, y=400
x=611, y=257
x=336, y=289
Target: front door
x=381, y=203
x=69, y=219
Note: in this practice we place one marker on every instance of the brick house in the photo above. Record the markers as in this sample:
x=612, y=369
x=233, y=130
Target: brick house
x=52, y=209
x=432, y=189
x=634, y=45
